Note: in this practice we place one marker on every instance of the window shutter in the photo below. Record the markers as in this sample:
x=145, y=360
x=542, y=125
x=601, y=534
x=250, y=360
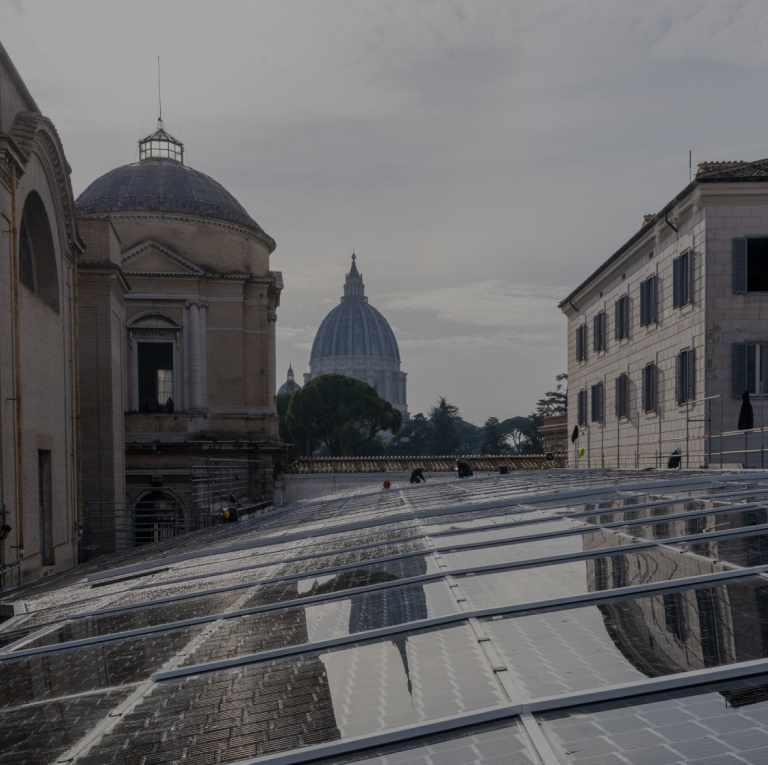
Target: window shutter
x=617, y=321
x=740, y=266
x=625, y=315
x=651, y=314
x=739, y=369
x=618, y=396
x=601, y=401
x=676, y=283
x=690, y=359
x=645, y=388
x=579, y=344
x=678, y=360
x=644, y=304
x=689, y=275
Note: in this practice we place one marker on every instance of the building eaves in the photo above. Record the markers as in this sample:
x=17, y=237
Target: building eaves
x=8, y=66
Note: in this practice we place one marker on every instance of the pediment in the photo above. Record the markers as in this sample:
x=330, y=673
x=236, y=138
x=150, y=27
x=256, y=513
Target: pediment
x=151, y=257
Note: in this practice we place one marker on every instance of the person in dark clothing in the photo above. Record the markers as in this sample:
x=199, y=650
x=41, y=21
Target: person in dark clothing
x=674, y=459
x=465, y=471
x=418, y=475
x=575, y=434
x=746, y=416
x=169, y=406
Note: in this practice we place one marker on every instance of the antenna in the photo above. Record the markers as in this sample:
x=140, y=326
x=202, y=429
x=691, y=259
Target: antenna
x=690, y=166
x=159, y=97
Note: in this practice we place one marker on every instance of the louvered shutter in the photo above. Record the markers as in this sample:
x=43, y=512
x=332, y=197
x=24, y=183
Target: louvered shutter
x=625, y=315
x=594, y=403
x=617, y=321
x=579, y=344
x=740, y=383
x=596, y=333
x=601, y=401
x=740, y=266
x=644, y=304
x=645, y=388
x=618, y=396
x=691, y=370
x=678, y=365
x=651, y=313
x=676, y=283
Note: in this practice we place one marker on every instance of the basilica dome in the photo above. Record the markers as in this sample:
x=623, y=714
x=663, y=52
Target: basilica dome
x=354, y=339
x=161, y=182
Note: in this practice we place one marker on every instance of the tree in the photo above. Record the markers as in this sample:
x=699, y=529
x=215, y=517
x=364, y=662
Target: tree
x=444, y=436
x=554, y=401
x=523, y=435
x=346, y=413
x=493, y=441
x=413, y=438
x=303, y=438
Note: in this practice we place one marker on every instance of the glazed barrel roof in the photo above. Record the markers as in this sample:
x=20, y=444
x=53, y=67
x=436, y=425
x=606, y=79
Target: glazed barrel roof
x=162, y=185
x=355, y=327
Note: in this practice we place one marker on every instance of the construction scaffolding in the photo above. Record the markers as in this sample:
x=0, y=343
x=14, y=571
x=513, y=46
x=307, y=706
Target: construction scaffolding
x=221, y=483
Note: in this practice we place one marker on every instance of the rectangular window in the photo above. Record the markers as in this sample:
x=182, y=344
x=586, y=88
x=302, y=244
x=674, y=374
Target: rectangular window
x=682, y=277
x=750, y=369
x=581, y=342
x=648, y=301
x=155, y=377
x=622, y=317
x=598, y=332
x=622, y=395
x=46, y=508
x=750, y=264
x=598, y=401
x=685, y=377
x=674, y=615
x=582, y=407
x=649, y=387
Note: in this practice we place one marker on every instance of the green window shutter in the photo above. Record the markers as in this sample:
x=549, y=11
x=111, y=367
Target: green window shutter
x=740, y=265
x=740, y=383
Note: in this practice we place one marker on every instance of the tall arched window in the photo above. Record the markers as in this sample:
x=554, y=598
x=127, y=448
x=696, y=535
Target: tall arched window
x=37, y=255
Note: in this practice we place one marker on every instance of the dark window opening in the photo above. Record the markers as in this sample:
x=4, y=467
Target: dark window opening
x=685, y=377
x=708, y=628
x=581, y=342
x=37, y=256
x=601, y=574
x=757, y=264
x=598, y=338
x=619, y=570
x=674, y=616
x=582, y=408
x=648, y=301
x=598, y=401
x=622, y=317
x=47, y=557
x=155, y=377
x=26, y=261
x=622, y=395
x=157, y=516
x=682, y=275
x=649, y=387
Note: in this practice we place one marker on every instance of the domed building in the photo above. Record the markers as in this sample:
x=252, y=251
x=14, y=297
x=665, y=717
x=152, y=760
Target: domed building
x=290, y=385
x=198, y=336
x=354, y=339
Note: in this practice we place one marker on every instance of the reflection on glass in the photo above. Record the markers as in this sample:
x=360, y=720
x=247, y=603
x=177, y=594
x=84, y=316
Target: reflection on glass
x=101, y=665
x=348, y=691
x=717, y=723
x=578, y=577
x=747, y=550
x=626, y=640
x=42, y=732
x=520, y=551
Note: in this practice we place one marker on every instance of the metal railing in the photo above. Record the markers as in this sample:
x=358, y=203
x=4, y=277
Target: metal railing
x=712, y=445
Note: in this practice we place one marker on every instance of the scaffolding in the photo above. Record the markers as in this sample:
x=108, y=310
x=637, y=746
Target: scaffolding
x=221, y=483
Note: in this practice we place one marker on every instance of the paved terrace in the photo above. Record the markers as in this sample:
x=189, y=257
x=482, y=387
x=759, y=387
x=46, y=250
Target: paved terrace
x=538, y=617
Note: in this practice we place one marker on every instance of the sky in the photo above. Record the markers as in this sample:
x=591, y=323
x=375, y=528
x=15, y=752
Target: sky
x=482, y=158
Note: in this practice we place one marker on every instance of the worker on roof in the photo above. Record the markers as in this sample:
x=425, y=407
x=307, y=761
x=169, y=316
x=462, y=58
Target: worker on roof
x=465, y=471
x=418, y=475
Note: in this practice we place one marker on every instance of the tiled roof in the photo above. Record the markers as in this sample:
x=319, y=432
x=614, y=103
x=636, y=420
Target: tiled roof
x=583, y=616
x=162, y=185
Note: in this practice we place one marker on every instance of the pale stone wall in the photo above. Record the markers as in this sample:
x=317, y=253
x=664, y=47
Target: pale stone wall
x=707, y=220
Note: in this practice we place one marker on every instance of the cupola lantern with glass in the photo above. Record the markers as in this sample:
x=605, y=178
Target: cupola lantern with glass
x=161, y=145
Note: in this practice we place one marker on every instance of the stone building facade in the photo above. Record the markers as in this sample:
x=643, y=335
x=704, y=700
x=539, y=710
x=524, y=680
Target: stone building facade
x=39, y=248
x=665, y=337
x=197, y=345
x=355, y=340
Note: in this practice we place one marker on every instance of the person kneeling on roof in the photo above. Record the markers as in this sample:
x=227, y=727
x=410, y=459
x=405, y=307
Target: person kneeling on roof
x=465, y=471
x=418, y=475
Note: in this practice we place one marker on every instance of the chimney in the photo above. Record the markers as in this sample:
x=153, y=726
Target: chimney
x=647, y=219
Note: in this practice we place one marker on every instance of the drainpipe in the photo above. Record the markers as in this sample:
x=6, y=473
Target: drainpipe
x=79, y=513
x=17, y=365
x=666, y=220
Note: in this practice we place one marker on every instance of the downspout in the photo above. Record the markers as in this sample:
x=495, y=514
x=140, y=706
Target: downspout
x=17, y=365
x=666, y=220
x=570, y=302
x=79, y=514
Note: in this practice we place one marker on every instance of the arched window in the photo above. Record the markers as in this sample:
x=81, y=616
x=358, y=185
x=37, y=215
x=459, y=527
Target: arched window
x=37, y=256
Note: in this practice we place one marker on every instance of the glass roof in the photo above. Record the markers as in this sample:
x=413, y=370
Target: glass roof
x=445, y=623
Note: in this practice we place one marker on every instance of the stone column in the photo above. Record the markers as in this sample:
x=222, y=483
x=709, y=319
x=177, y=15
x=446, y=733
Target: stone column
x=186, y=370
x=272, y=371
x=203, y=355
x=194, y=353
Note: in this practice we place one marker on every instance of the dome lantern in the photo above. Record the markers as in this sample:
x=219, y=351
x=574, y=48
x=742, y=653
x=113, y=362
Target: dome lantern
x=161, y=145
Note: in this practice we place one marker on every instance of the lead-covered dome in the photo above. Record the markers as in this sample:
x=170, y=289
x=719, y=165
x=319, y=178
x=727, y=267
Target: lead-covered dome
x=161, y=182
x=354, y=327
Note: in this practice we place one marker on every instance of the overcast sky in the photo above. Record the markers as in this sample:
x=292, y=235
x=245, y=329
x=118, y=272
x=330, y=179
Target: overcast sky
x=482, y=157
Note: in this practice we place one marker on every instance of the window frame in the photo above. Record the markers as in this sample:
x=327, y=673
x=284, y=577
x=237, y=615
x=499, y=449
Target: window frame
x=597, y=409
x=140, y=335
x=622, y=396
x=598, y=331
x=649, y=387
x=648, y=301
x=685, y=376
x=682, y=279
x=581, y=342
x=581, y=408
x=740, y=367
x=622, y=317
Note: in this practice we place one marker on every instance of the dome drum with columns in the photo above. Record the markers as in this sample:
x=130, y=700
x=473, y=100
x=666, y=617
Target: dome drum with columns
x=355, y=340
